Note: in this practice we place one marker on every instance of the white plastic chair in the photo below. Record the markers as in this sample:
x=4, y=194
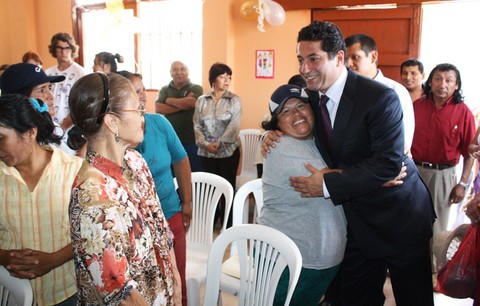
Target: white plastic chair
x=264, y=252
x=230, y=282
x=207, y=189
x=14, y=291
x=249, y=139
x=240, y=202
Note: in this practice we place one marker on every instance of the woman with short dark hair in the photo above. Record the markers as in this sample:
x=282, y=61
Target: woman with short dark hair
x=216, y=122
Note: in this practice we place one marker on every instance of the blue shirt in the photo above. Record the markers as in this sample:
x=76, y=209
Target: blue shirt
x=161, y=148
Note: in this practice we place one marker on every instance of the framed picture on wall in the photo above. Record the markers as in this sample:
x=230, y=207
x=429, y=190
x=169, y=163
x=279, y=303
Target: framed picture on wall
x=264, y=64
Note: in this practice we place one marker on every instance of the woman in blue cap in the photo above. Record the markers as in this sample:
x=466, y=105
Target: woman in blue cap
x=31, y=81
x=318, y=227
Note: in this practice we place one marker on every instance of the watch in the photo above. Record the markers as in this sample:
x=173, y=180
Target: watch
x=463, y=184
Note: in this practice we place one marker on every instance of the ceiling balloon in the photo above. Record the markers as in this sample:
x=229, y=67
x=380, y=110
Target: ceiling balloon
x=274, y=13
x=248, y=10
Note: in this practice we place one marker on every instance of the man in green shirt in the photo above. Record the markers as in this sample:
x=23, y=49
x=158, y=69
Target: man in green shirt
x=177, y=102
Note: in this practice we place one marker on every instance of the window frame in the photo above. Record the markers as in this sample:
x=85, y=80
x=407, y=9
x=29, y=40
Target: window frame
x=77, y=23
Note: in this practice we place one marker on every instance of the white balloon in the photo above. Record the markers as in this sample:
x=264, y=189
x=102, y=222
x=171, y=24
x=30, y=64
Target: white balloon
x=274, y=13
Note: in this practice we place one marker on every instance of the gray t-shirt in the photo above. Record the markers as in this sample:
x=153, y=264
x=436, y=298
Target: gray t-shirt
x=314, y=224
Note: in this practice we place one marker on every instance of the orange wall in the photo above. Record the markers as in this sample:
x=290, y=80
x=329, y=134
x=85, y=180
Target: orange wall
x=255, y=93
x=29, y=25
x=227, y=37
x=234, y=41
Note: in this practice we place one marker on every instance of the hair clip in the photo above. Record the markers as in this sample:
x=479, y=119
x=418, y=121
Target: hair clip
x=40, y=108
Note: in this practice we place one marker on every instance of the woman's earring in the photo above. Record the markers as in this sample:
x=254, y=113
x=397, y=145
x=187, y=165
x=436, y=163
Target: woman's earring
x=117, y=137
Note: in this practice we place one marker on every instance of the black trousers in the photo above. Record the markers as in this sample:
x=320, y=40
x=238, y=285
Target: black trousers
x=361, y=280
x=226, y=168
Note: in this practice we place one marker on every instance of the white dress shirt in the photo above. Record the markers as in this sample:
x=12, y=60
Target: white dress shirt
x=334, y=93
x=407, y=107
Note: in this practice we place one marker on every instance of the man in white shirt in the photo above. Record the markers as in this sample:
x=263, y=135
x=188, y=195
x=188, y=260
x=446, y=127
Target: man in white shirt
x=362, y=58
x=64, y=49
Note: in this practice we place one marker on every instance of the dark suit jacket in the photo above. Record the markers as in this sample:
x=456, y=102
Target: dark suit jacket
x=368, y=144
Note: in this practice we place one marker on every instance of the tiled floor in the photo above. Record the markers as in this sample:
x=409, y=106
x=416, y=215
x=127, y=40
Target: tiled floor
x=439, y=299
x=442, y=300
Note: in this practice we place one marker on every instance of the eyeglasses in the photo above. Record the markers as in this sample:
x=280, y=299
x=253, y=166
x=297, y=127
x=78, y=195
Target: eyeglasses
x=106, y=96
x=60, y=48
x=141, y=109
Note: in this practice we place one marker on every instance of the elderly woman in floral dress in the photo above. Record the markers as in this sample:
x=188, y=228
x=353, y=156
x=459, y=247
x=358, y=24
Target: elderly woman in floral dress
x=121, y=240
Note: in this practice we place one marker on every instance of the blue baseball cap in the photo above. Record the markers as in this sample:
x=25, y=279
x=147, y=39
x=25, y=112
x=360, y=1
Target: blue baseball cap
x=25, y=75
x=282, y=94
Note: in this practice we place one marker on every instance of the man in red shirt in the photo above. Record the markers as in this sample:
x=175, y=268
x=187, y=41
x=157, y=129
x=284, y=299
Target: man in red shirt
x=444, y=127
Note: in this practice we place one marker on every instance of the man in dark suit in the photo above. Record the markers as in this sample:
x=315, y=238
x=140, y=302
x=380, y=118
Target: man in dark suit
x=388, y=228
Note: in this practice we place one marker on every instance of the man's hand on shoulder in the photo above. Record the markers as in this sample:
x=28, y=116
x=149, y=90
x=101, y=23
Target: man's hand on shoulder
x=269, y=140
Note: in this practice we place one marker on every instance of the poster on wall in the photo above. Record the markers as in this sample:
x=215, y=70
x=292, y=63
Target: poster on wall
x=264, y=64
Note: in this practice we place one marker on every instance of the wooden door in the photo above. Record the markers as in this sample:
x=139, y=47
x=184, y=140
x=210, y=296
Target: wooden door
x=396, y=31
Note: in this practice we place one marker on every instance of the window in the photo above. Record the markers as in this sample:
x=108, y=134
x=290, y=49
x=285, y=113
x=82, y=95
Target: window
x=172, y=31
x=160, y=33
x=449, y=41
x=104, y=32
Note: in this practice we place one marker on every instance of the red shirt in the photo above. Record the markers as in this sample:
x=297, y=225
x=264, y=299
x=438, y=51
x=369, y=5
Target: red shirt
x=441, y=135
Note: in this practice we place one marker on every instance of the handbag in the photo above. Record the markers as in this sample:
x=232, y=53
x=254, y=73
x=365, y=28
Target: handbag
x=458, y=277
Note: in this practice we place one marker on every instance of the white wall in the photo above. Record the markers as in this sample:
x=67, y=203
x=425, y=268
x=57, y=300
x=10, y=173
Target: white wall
x=449, y=35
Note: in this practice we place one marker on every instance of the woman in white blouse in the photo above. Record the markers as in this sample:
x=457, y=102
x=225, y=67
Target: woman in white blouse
x=216, y=122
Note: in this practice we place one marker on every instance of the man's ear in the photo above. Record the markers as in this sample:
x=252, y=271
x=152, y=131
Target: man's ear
x=374, y=57
x=341, y=57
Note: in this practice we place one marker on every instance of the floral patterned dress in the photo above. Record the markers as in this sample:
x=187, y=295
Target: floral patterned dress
x=120, y=237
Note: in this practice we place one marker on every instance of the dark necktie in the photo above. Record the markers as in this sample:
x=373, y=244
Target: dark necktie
x=326, y=123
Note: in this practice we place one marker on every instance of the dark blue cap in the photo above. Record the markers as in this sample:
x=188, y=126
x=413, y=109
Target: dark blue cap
x=24, y=75
x=282, y=94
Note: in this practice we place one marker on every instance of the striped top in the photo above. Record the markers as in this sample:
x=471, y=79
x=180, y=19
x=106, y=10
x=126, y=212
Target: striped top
x=39, y=220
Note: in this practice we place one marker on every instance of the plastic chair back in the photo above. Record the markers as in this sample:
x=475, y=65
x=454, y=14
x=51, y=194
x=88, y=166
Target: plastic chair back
x=14, y=291
x=207, y=189
x=249, y=138
x=241, y=201
x=264, y=253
